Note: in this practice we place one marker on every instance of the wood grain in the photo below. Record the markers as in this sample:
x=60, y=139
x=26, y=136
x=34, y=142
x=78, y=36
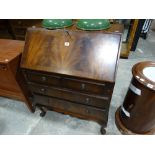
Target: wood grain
x=89, y=55
x=10, y=56
x=9, y=49
x=72, y=72
x=140, y=107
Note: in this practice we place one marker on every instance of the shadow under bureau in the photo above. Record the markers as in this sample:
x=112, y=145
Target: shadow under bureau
x=72, y=72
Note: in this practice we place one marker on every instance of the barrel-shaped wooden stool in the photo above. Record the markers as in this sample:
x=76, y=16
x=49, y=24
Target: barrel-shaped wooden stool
x=137, y=114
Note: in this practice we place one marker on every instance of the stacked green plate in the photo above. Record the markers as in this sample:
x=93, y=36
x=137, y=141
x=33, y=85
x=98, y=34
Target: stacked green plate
x=56, y=23
x=93, y=24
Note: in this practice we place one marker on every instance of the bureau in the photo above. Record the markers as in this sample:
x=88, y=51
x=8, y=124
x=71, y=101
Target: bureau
x=72, y=72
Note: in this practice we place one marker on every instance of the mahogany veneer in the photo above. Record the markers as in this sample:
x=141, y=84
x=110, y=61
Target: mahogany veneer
x=72, y=72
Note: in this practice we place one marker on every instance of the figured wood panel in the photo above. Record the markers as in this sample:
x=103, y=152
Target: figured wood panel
x=74, y=84
x=101, y=102
x=78, y=110
x=75, y=53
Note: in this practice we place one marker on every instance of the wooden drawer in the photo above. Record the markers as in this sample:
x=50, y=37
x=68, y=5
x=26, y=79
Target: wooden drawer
x=89, y=87
x=73, y=84
x=101, y=102
x=44, y=79
x=73, y=108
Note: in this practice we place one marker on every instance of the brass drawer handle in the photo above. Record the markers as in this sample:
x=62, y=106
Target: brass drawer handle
x=42, y=90
x=83, y=86
x=87, y=100
x=87, y=111
x=43, y=78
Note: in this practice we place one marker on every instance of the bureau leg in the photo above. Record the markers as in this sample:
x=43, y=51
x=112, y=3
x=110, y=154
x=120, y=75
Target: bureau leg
x=43, y=111
x=103, y=131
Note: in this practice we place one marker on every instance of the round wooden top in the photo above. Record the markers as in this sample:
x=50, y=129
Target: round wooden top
x=144, y=72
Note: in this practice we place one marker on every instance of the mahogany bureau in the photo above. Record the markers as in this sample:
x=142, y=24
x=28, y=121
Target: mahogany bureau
x=72, y=72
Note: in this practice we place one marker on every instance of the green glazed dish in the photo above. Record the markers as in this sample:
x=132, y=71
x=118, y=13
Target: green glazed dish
x=56, y=23
x=93, y=24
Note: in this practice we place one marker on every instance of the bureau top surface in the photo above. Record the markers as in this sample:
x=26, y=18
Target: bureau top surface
x=9, y=49
x=90, y=55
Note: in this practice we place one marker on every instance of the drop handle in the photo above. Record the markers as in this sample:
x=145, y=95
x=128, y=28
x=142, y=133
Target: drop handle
x=43, y=90
x=87, y=100
x=87, y=111
x=83, y=86
x=43, y=78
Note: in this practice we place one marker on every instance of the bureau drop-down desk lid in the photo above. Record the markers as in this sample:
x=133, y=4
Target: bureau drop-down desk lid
x=84, y=54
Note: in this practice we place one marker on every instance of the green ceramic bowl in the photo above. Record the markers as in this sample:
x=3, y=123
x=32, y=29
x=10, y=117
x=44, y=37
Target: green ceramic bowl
x=93, y=24
x=56, y=23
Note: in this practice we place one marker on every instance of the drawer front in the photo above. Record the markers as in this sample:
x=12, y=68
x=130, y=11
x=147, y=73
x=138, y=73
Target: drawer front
x=66, y=106
x=44, y=79
x=71, y=96
x=105, y=89
x=84, y=86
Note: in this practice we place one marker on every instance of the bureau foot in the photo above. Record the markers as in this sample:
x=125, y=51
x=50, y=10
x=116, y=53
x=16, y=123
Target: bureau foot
x=43, y=112
x=103, y=131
